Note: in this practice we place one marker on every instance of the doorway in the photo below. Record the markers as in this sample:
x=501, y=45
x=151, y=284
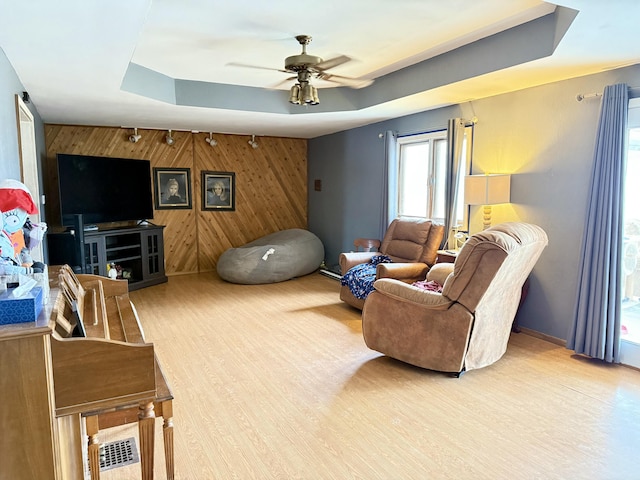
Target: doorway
x=630, y=311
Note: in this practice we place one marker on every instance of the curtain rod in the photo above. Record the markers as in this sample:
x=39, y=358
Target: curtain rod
x=422, y=132
x=468, y=123
x=585, y=96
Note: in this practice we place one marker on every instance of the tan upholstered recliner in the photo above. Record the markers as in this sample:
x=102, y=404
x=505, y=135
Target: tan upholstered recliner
x=468, y=325
x=412, y=244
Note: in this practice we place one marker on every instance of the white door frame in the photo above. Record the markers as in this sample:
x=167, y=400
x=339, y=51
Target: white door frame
x=29, y=164
x=630, y=351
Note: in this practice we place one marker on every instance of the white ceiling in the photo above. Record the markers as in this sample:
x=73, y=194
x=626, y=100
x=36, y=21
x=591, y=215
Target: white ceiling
x=80, y=60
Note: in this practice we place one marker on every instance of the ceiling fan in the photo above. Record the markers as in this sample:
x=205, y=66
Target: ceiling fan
x=306, y=67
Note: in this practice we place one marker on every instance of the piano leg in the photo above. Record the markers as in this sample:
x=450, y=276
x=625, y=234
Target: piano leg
x=146, y=427
x=167, y=431
x=93, y=446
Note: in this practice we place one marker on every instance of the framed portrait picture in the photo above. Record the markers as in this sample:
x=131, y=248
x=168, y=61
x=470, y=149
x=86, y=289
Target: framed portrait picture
x=218, y=190
x=172, y=188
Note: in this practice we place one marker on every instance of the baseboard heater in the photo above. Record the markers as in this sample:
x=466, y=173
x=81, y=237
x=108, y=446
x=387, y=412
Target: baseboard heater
x=330, y=274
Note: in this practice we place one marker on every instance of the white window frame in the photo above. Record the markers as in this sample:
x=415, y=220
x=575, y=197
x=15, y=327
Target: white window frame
x=422, y=138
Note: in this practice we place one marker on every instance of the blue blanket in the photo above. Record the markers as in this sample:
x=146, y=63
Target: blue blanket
x=360, y=278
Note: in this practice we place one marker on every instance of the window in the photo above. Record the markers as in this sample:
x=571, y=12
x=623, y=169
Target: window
x=422, y=165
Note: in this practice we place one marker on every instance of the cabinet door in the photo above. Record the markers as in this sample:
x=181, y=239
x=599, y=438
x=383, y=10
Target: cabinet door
x=27, y=442
x=94, y=256
x=153, y=254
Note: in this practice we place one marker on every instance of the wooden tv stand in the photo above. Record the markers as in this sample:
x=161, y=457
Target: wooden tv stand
x=138, y=250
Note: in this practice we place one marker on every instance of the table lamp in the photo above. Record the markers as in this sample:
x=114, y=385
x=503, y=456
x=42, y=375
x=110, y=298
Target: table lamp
x=487, y=190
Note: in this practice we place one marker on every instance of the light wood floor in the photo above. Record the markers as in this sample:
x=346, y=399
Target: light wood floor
x=275, y=382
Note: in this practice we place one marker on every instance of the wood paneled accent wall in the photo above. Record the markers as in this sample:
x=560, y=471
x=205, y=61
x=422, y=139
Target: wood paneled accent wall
x=271, y=186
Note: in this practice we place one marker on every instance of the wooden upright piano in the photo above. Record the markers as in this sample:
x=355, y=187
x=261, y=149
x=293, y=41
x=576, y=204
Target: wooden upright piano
x=83, y=366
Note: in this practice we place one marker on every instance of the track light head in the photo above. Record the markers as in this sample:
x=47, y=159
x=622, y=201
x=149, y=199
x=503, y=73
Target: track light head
x=135, y=137
x=211, y=141
x=169, y=139
x=253, y=142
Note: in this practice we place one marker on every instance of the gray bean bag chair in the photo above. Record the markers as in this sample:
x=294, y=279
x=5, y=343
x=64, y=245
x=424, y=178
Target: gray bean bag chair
x=273, y=258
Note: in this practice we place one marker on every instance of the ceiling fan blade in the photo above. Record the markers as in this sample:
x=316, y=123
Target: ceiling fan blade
x=283, y=82
x=347, y=81
x=244, y=65
x=331, y=63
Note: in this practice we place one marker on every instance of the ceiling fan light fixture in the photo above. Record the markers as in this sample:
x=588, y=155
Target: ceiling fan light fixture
x=310, y=95
x=294, y=96
x=253, y=142
x=307, y=93
x=304, y=94
x=169, y=139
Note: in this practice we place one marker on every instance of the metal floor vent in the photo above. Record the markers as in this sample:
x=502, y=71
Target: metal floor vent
x=118, y=454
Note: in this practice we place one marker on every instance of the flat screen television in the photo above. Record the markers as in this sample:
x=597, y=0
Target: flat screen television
x=104, y=189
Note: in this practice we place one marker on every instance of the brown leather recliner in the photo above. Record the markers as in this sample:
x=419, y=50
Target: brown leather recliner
x=413, y=246
x=468, y=325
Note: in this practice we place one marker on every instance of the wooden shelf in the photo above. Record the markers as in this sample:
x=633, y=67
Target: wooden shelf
x=137, y=249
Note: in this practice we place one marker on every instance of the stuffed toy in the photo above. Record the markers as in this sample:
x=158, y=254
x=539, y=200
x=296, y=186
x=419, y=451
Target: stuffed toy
x=16, y=203
x=8, y=265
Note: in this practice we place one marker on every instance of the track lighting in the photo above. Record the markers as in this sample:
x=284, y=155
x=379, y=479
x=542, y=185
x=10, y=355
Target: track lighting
x=135, y=137
x=253, y=142
x=211, y=141
x=169, y=139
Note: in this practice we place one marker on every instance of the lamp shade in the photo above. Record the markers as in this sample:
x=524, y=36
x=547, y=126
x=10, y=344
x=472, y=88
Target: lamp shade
x=487, y=189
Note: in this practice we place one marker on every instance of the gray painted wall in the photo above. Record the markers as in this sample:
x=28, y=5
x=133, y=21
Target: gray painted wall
x=541, y=135
x=10, y=86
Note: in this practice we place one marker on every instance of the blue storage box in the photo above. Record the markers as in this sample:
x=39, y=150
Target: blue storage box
x=20, y=310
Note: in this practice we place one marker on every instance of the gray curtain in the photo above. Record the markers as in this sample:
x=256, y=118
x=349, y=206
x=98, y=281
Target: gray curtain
x=389, y=195
x=596, y=323
x=455, y=137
